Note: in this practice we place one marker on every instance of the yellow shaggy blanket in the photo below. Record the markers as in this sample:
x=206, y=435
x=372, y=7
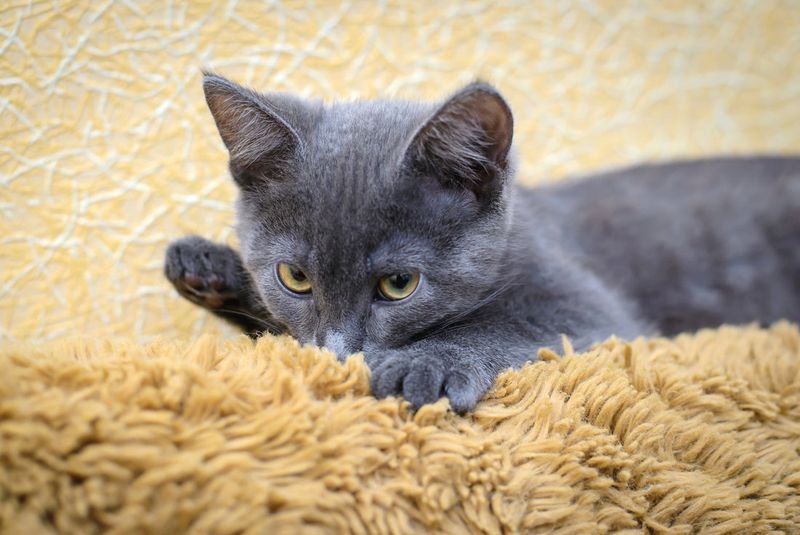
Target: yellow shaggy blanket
x=699, y=433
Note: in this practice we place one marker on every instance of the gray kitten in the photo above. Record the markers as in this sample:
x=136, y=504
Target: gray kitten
x=395, y=228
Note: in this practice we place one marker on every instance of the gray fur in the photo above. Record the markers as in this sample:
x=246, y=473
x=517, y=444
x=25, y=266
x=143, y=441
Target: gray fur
x=352, y=191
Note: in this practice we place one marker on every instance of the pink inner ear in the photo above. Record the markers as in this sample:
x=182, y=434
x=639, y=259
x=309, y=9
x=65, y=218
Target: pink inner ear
x=496, y=120
x=223, y=110
x=465, y=144
x=473, y=129
x=252, y=133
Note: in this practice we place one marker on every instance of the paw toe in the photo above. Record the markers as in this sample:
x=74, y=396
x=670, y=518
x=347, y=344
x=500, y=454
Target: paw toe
x=423, y=384
x=173, y=267
x=387, y=380
x=463, y=391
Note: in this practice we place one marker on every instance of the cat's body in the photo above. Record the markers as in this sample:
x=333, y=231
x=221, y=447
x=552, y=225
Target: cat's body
x=350, y=196
x=690, y=244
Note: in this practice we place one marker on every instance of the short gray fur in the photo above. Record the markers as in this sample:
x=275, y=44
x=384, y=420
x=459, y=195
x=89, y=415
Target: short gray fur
x=349, y=192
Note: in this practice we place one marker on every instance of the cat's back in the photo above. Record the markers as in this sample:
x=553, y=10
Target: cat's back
x=699, y=181
x=694, y=242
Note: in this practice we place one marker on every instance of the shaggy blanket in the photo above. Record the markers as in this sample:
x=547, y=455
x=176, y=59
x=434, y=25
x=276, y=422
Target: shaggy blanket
x=697, y=433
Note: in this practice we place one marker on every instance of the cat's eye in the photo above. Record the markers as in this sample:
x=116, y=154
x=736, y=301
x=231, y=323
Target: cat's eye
x=398, y=286
x=293, y=278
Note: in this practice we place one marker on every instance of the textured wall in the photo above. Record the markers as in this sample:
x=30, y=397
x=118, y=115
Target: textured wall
x=107, y=151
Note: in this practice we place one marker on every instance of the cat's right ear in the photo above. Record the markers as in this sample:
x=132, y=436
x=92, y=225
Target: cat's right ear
x=259, y=139
x=466, y=143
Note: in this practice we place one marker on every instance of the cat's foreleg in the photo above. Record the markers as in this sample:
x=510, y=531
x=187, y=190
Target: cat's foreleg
x=211, y=275
x=462, y=362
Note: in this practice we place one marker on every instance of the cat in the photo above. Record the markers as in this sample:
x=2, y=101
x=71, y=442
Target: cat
x=396, y=229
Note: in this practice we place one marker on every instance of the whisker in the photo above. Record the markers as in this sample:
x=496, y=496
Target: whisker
x=445, y=327
x=246, y=315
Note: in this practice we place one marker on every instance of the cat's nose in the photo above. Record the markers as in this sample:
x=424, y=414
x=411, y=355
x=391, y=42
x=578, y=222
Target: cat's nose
x=337, y=342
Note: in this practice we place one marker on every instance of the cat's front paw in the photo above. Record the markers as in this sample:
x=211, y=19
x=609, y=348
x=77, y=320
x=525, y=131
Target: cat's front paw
x=425, y=376
x=204, y=272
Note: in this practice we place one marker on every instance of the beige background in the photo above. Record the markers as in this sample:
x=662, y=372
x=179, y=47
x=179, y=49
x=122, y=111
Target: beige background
x=107, y=151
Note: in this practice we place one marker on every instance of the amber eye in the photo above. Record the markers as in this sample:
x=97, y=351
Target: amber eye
x=293, y=279
x=398, y=285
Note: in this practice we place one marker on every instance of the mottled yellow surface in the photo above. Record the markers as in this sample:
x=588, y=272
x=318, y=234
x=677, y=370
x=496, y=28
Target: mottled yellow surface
x=107, y=151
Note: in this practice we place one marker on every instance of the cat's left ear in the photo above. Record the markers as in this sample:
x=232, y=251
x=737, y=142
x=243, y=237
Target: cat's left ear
x=466, y=143
x=260, y=131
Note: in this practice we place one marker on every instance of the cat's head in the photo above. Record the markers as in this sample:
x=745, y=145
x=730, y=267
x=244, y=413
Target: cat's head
x=368, y=225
